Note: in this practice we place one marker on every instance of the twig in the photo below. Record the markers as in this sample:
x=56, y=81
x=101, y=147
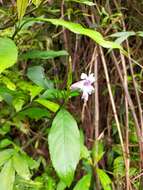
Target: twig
x=128, y=184
x=131, y=105
x=96, y=96
x=113, y=103
x=83, y=111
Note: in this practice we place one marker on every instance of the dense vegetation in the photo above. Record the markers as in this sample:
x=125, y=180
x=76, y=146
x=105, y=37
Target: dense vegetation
x=71, y=95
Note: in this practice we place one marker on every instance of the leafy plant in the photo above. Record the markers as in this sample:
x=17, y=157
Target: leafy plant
x=52, y=137
x=64, y=141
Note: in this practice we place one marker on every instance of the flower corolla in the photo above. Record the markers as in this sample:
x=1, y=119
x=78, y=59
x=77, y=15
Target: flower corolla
x=84, y=85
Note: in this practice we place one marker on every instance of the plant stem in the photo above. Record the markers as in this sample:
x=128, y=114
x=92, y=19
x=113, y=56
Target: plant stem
x=113, y=103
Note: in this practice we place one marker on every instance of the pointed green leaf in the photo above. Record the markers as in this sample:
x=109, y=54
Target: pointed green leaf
x=98, y=151
x=122, y=36
x=52, y=106
x=21, y=8
x=5, y=142
x=32, y=164
x=104, y=179
x=5, y=128
x=85, y=153
x=8, y=53
x=34, y=91
x=36, y=2
x=36, y=74
x=83, y=183
x=86, y=2
x=79, y=29
x=54, y=94
x=9, y=84
x=7, y=176
x=140, y=33
x=6, y=94
x=18, y=101
x=37, y=54
x=21, y=166
x=5, y=155
x=35, y=113
x=61, y=186
x=119, y=167
x=64, y=145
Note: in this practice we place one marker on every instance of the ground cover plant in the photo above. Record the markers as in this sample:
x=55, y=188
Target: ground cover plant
x=71, y=95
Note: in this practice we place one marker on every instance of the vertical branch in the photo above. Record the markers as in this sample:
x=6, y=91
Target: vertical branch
x=134, y=83
x=113, y=103
x=64, y=32
x=75, y=52
x=135, y=89
x=128, y=184
x=131, y=105
x=95, y=62
x=83, y=111
x=96, y=123
x=96, y=96
x=139, y=107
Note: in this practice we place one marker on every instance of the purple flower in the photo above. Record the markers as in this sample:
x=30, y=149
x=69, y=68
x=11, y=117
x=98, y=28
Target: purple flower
x=84, y=85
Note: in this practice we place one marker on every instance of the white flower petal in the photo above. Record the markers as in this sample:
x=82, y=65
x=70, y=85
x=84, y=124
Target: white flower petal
x=84, y=85
x=83, y=76
x=89, y=89
x=91, y=78
x=77, y=85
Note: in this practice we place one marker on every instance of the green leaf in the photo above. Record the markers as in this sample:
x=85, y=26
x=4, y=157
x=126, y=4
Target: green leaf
x=21, y=8
x=22, y=184
x=85, y=153
x=140, y=33
x=9, y=84
x=54, y=94
x=79, y=29
x=6, y=94
x=8, y=53
x=36, y=2
x=32, y=164
x=52, y=106
x=33, y=90
x=5, y=128
x=86, y=2
x=74, y=93
x=97, y=151
x=64, y=145
x=21, y=166
x=37, y=54
x=122, y=36
x=83, y=183
x=18, y=101
x=5, y=142
x=5, y=155
x=61, y=186
x=104, y=179
x=119, y=167
x=7, y=176
x=36, y=74
x=35, y=113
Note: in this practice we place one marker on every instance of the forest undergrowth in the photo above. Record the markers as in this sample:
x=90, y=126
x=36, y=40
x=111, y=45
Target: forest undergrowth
x=71, y=95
